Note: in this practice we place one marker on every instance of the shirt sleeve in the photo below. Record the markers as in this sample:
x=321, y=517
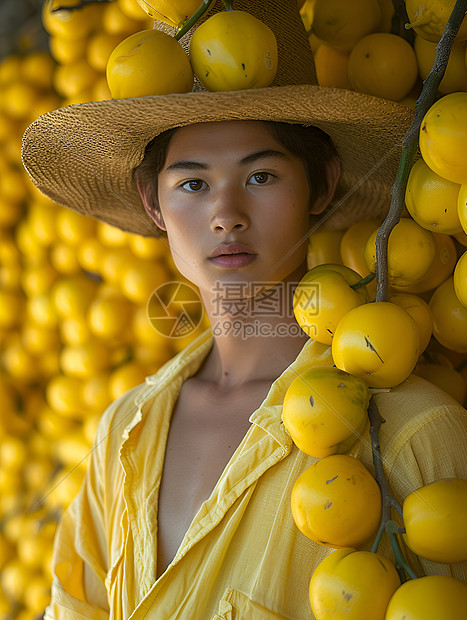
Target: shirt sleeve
x=80, y=557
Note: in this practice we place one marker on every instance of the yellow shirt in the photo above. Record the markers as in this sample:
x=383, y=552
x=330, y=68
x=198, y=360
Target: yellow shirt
x=242, y=556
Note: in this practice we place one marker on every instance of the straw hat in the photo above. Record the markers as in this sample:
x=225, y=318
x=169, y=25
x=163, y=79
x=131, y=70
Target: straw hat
x=83, y=156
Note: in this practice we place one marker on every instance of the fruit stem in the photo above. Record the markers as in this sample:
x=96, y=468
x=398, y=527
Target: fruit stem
x=228, y=5
x=388, y=501
x=185, y=27
x=366, y=280
x=399, y=22
x=392, y=529
x=410, y=143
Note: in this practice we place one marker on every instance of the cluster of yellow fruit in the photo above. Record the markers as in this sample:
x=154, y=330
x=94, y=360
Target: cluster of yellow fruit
x=82, y=40
x=231, y=50
x=354, y=48
x=74, y=334
x=336, y=502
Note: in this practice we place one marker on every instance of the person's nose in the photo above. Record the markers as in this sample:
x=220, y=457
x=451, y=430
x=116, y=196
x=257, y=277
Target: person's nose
x=229, y=212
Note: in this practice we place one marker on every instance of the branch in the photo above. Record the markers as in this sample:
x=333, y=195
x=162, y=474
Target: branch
x=388, y=500
x=185, y=27
x=410, y=143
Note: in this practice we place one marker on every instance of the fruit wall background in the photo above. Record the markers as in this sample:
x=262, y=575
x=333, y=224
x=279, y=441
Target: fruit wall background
x=74, y=328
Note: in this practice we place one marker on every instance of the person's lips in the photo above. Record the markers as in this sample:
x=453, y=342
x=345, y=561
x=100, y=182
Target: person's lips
x=228, y=249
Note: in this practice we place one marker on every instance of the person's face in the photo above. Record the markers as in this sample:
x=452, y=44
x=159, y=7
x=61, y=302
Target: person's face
x=232, y=182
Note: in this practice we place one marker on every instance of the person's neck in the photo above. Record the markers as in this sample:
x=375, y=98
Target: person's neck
x=255, y=341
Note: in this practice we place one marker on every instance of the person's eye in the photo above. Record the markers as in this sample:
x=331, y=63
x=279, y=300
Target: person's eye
x=194, y=185
x=260, y=178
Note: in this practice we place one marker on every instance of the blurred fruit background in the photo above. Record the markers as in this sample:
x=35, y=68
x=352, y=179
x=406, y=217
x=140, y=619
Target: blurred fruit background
x=74, y=329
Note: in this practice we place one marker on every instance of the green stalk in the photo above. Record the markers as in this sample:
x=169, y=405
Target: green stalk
x=185, y=27
x=366, y=280
x=392, y=529
x=409, y=146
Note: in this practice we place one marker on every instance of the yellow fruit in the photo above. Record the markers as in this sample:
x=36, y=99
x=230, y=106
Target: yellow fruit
x=462, y=208
x=429, y=18
x=37, y=594
x=325, y=411
x=132, y=9
x=85, y=360
x=455, y=76
x=99, y=48
x=441, y=267
x=148, y=247
x=73, y=227
x=341, y=24
x=10, y=68
x=38, y=340
x=323, y=247
x=74, y=330
x=428, y=598
x=109, y=317
x=460, y=279
x=307, y=10
x=323, y=296
x=125, y=378
x=42, y=222
x=443, y=135
x=432, y=200
x=72, y=450
x=378, y=342
x=116, y=22
x=445, y=377
x=149, y=62
x=331, y=67
x=336, y=502
x=90, y=255
x=70, y=24
x=353, y=585
x=63, y=395
x=168, y=11
x=72, y=295
x=19, y=100
x=449, y=317
x=37, y=68
x=95, y=394
x=38, y=279
x=63, y=259
x=67, y=51
x=72, y=79
x=352, y=249
x=11, y=308
x=233, y=50
x=411, y=251
x=383, y=65
x=138, y=280
x=420, y=312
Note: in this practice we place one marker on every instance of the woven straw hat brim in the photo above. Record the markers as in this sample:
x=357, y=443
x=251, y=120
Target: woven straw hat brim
x=83, y=156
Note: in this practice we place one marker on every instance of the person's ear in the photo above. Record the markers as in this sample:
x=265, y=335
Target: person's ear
x=333, y=173
x=151, y=209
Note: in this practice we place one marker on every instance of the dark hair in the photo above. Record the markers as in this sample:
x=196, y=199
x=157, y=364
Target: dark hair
x=312, y=145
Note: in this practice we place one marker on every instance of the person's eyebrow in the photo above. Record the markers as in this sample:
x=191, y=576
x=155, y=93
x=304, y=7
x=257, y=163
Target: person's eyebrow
x=196, y=165
x=267, y=153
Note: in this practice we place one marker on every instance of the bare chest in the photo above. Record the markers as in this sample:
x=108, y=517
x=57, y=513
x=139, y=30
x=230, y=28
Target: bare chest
x=205, y=432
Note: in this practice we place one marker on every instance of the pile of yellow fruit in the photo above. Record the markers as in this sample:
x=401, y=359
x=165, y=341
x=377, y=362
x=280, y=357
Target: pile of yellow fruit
x=354, y=47
x=74, y=329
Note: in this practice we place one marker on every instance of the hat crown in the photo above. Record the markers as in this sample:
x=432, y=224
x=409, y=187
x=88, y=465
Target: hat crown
x=295, y=58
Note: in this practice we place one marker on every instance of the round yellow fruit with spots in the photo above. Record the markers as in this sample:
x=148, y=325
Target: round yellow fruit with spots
x=429, y=598
x=411, y=251
x=460, y=279
x=336, y=502
x=429, y=18
x=432, y=200
x=449, y=317
x=169, y=11
x=383, y=65
x=353, y=585
x=325, y=410
x=149, y=62
x=443, y=136
x=378, y=342
x=233, y=50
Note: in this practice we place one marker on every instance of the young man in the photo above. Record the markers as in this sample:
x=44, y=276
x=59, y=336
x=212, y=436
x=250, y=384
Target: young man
x=185, y=508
